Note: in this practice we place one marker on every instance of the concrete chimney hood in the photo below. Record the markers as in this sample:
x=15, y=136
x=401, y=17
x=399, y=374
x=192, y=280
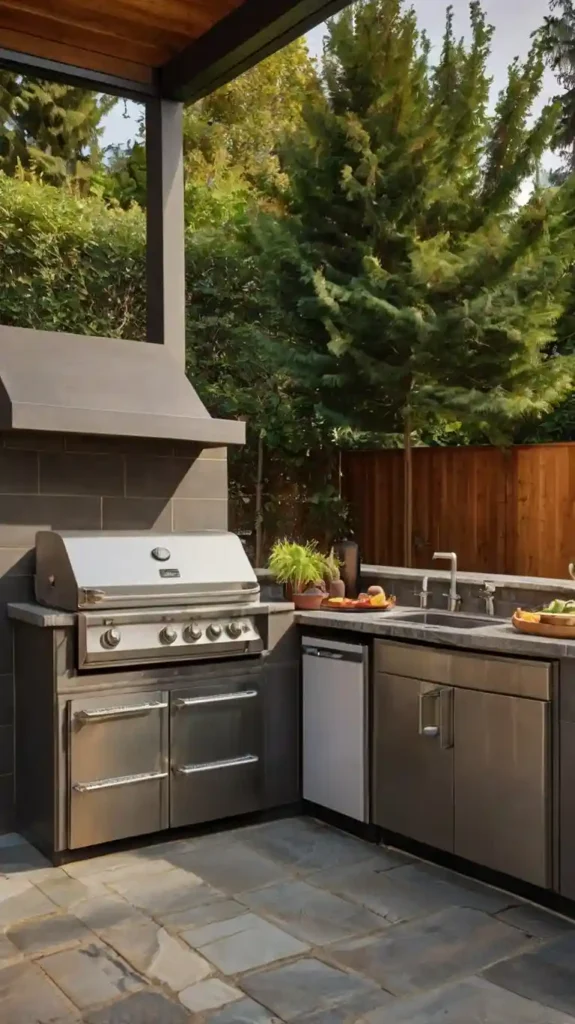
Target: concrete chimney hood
x=73, y=384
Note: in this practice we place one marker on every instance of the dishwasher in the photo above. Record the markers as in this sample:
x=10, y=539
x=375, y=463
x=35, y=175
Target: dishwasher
x=335, y=726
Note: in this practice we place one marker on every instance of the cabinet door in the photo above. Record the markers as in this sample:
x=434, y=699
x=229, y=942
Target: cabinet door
x=118, y=767
x=502, y=784
x=216, y=751
x=413, y=759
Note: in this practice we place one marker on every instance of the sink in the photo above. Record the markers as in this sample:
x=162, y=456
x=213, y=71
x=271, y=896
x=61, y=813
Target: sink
x=456, y=620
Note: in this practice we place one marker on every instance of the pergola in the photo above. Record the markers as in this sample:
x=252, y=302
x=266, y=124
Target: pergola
x=162, y=53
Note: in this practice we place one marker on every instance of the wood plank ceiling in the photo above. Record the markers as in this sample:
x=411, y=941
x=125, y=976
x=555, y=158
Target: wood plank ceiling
x=128, y=39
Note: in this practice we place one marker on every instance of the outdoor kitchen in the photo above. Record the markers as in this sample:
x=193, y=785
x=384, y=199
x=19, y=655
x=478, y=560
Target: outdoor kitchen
x=316, y=791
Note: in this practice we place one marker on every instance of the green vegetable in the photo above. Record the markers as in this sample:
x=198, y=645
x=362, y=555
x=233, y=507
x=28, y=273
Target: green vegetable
x=558, y=607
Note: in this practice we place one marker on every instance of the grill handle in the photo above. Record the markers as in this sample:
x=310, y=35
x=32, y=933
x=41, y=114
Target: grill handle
x=208, y=766
x=123, y=780
x=100, y=714
x=91, y=597
x=218, y=698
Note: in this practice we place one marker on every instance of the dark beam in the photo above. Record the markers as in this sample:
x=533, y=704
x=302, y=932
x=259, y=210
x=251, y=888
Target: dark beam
x=165, y=249
x=56, y=71
x=254, y=30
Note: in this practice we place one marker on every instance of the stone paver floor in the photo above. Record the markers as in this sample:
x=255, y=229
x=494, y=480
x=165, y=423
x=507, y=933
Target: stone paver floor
x=280, y=922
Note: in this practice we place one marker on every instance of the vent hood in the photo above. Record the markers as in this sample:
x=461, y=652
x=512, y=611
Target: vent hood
x=75, y=384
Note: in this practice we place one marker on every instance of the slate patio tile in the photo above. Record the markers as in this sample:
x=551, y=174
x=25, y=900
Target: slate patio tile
x=536, y=921
x=308, y=986
x=140, y=1008
x=546, y=974
x=91, y=975
x=17, y=856
x=432, y=951
x=20, y=901
x=114, y=867
x=66, y=892
x=312, y=914
x=152, y=951
x=44, y=935
x=101, y=912
x=27, y=996
x=209, y=995
x=242, y=944
x=473, y=1001
x=167, y=893
x=412, y=891
x=304, y=844
x=232, y=867
x=8, y=952
x=245, y=1011
x=208, y=913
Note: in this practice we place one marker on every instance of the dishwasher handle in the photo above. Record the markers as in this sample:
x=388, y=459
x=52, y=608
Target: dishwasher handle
x=349, y=654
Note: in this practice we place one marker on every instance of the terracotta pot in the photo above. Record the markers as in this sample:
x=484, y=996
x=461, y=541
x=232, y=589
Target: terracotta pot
x=308, y=602
x=337, y=588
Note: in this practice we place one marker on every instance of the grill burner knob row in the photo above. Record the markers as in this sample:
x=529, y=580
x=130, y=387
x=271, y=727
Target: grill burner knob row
x=214, y=631
x=111, y=638
x=192, y=633
x=168, y=635
x=234, y=630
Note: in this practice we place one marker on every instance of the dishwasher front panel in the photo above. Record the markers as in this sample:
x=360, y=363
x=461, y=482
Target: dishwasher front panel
x=335, y=738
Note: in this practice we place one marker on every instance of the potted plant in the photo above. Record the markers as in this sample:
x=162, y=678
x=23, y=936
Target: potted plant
x=332, y=575
x=301, y=568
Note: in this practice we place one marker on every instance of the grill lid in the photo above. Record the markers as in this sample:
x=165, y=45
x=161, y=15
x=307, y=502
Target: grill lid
x=76, y=570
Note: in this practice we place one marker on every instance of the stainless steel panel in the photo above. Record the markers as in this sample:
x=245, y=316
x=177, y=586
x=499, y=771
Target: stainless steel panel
x=503, y=784
x=514, y=676
x=566, y=809
x=118, y=764
x=413, y=783
x=334, y=735
x=125, y=570
x=216, y=751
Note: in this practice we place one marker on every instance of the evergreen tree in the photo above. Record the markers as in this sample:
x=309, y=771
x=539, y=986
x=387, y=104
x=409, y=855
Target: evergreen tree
x=558, y=40
x=422, y=293
x=51, y=129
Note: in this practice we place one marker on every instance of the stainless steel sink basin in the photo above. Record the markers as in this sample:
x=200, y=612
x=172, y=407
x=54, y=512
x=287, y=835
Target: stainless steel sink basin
x=457, y=620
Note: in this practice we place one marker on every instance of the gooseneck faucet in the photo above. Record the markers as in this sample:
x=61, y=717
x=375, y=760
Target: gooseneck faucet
x=454, y=599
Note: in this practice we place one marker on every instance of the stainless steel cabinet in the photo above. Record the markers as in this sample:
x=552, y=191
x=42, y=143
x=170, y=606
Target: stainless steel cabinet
x=117, y=756
x=465, y=767
x=503, y=784
x=216, y=751
x=413, y=777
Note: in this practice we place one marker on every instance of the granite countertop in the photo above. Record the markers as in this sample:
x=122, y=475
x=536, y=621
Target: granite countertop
x=496, y=638
x=52, y=618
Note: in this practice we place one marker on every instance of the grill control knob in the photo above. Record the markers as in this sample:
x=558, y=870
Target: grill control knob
x=111, y=638
x=214, y=631
x=192, y=633
x=234, y=629
x=168, y=635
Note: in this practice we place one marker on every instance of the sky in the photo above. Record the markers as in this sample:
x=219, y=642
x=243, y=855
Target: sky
x=514, y=21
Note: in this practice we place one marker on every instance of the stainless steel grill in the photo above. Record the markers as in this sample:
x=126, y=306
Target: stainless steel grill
x=142, y=597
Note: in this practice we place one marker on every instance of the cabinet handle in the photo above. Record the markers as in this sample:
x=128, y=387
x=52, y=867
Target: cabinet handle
x=430, y=731
x=99, y=714
x=123, y=780
x=208, y=766
x=218, y=698
x=428, y=700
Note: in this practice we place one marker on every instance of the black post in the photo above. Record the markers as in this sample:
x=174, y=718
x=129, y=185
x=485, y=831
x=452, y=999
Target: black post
x=166, y=278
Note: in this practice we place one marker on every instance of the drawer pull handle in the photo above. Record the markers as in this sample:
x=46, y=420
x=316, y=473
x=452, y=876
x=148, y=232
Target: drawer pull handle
x=219, y=698
x=123, y=780
x=208, y=766
x=99, y=714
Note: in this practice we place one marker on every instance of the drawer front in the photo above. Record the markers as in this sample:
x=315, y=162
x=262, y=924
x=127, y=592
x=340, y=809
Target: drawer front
x=118, y=772
x=518, y=677
x=216, y=752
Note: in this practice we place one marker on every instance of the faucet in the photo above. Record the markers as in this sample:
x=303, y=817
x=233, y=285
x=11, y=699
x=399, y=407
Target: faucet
x=453, y=597
x=488, y=595
x=423, y=593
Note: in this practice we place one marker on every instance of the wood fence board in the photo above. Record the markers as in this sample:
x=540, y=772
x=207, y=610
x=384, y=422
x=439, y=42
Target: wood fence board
x=503, y=511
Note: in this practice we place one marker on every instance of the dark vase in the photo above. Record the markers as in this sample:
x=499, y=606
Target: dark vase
x=347, y=551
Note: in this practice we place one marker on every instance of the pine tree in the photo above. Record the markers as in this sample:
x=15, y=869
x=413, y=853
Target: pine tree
x=558, y=40
x=421, y=292
x=51, y=129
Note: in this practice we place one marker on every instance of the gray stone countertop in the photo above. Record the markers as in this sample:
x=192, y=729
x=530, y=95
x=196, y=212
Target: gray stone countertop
x=496, y=638
x=52, y=618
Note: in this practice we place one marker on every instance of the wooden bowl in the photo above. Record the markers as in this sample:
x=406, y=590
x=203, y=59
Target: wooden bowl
x=555, y=631
x=556, y=620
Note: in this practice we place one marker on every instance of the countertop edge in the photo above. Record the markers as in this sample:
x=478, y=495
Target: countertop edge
x=52, y=618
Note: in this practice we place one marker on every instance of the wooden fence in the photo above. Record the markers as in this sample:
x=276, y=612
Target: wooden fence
x=502, y=511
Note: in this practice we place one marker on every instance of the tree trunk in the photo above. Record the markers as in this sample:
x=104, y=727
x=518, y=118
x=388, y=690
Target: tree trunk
x=407, y=492
x=259, y=502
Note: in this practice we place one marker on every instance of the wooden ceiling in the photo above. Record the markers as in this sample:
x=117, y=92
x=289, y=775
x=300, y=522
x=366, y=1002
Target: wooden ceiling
x=123, y=38
x=179, y=49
